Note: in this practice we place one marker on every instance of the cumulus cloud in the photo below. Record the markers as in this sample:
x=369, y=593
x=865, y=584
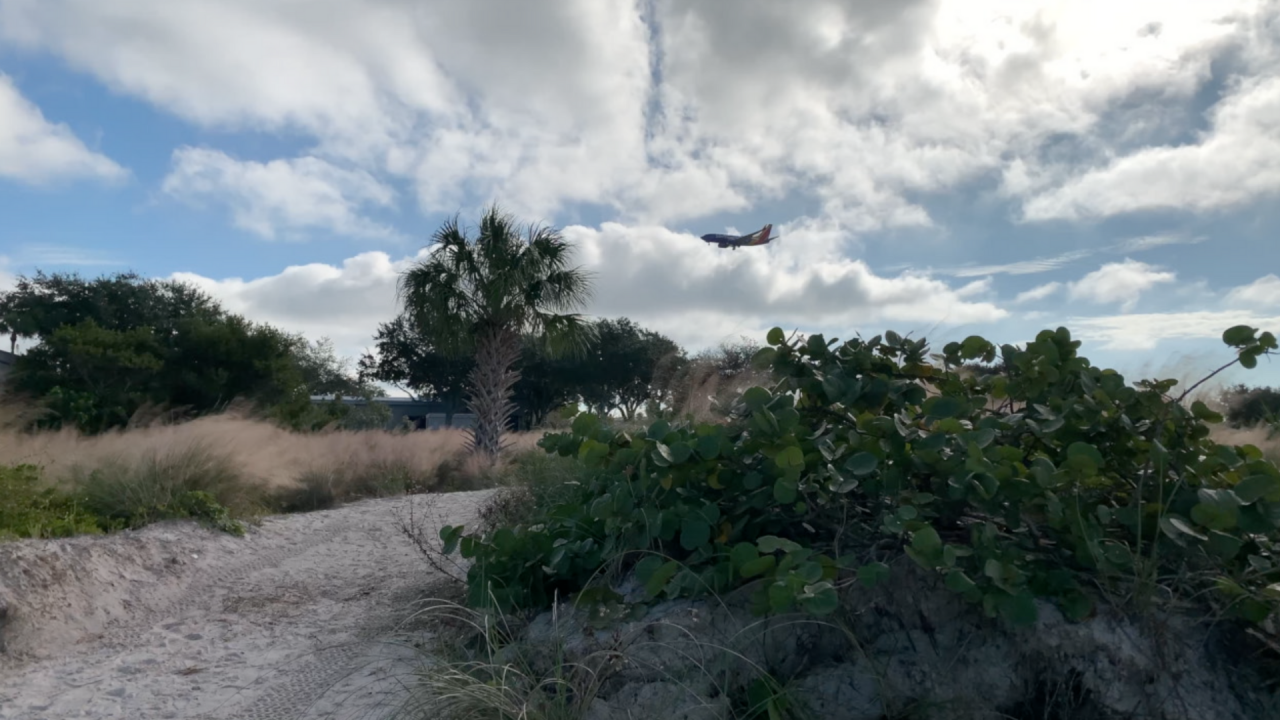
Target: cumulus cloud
x=320, y=300
x=1261, y=293
x=281, y=195
x=664, y=111
x=34, y=150
x=1238, y=161
x=671, y=282
x=1122, y=282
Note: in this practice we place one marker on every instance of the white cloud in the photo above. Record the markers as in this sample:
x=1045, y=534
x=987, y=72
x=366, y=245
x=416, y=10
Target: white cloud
x=1022, y=267
x=1122, y=282
x=670, y=282
x=665, y=111
x=1145, y=331
x=1238, y=161
x=1261, y=293
x=34, y=150
x=343, y=303
x=1150, y=242
x=280, y=195
x=1039, y=292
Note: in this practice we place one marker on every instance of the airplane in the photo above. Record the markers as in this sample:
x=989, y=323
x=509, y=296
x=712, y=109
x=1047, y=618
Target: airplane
x=759, y=237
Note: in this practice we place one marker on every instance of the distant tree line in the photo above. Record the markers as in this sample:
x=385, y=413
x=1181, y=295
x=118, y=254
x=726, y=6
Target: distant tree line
x=116, y=348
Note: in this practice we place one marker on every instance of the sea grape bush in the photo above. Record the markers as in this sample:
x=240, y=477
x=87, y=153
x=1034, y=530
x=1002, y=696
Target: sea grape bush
x=1043, y=480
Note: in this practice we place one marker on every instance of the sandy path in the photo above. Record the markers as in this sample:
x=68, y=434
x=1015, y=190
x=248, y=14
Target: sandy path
x=300, y=619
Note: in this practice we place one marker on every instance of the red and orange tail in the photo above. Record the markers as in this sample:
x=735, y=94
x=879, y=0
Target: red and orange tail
x=762, y=237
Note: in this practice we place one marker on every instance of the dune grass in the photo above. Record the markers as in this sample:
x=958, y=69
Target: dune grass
x=220, y=468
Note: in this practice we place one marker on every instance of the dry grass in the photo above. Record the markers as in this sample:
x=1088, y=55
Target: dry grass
x=260, y=464
x=1266, y=439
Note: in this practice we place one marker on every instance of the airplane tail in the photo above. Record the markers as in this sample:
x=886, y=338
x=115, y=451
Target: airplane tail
x=762, y=236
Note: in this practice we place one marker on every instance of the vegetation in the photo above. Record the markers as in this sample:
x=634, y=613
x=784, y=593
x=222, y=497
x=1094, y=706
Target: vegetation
x=483, y=295
x=222, y=469
x=118, y=346
x=1051, y=479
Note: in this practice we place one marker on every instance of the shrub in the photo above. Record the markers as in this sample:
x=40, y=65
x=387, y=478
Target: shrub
x=192, y=482
x=31, y=509
x=1044, y=480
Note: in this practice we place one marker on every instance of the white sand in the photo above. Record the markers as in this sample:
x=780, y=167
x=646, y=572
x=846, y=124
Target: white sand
x=302, y=618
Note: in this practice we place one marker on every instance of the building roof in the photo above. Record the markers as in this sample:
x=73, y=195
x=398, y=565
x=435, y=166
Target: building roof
x=392, y=401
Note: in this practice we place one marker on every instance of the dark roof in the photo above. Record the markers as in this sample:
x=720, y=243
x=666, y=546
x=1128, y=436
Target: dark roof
x=7, y=358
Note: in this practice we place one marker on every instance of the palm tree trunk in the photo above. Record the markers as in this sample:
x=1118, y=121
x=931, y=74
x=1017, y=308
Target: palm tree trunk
x=493, y=383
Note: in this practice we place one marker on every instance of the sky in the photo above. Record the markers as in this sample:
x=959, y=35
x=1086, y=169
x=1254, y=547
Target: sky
x=935, y=167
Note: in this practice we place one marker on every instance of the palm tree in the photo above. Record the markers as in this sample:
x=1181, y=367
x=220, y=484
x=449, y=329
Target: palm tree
x=482, y=295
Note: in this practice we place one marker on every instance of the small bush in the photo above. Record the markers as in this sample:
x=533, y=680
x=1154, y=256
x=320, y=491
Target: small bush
x=528, y=484
x=29, y=508
x=1051, y=479
x=192, y=482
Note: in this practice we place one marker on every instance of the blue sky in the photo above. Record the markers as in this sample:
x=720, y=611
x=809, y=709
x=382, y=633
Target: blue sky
x=936, y=167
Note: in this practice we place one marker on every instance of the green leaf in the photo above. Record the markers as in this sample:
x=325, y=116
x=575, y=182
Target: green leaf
x=764, y=358
x=1217, y=509
x=942, y=406
x=820, y=598
x=1255, y=611
x=785, y=490
x=1238, y=335
x=676, y=453
x=981, y=438
x=695, y=532
x=660, y=577
x=709, y=447
x=1176, y=528
x=585, y=424
x=862, y=463
x=1248, y=360
x=790, y=457
x=756, y=397
x=743, y=553
x=1203, y=413
x=759, y=566
x=873, y=574
x=658, y=430
x=773, y=543
x=1085, y=457
x=781, y=597
x=776, y=336
x=958, y=582
x=927, y=542
x=1223, y=545
x=1077, y=606
x=1019, y=610
x=1256, y=487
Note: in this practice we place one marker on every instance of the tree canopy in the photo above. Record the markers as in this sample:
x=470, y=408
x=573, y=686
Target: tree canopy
x=483, y=295
x=110, y=346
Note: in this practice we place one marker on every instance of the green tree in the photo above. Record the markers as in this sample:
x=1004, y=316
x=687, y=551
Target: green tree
x=324, y=372
x=96, y=378
x=111, y=345
x=409, y=361
x=620, y=373
x=482, y=294
x=548, y=381
x=1248, y=407
x=38, y=306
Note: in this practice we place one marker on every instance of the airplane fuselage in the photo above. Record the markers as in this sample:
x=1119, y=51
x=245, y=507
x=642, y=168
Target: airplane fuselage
x=759, y=237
